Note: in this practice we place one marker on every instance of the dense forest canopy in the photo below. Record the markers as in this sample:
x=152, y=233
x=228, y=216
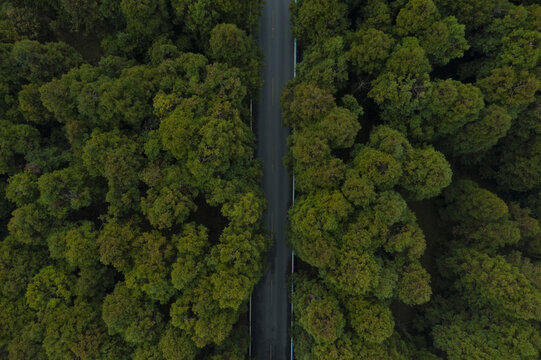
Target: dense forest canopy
x=416, y=149
x=131, y=218
x=131, y=212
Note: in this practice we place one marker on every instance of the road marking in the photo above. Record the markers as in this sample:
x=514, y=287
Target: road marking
x=272, y=162
x=272, y=91
x=272, y=25
x=271, y=292
x=270, y=351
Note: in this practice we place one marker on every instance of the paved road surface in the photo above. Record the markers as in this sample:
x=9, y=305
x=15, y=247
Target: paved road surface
x=270, y=307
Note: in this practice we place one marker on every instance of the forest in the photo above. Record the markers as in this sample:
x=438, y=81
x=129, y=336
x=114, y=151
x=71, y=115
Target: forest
x=131, y=218
x=416, y=150
x=131, y=211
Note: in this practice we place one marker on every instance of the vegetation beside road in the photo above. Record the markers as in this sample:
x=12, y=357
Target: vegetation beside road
x=131, y=210
x=407, y=100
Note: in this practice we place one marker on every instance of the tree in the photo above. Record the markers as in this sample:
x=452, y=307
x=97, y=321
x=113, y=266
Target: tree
x=323, y=320
x=19, y=264
x=49, y=288
x=382, y=169
x=29, y=224
x=20, y=22
x=116, y=242
x=231, y=45
x=247, y=210
x=237, y=264
x=521, y=48
x=358, y=190
x=324, y=66
x=493, y=282
x=81, y=247
x=482, y=134
x=369, y=50
x=117, y=158
x=64, y=191
x=41, y=62
x=175, y=345
x=473, y=14
x=22, y=188
x=520, y=167
x=479, y=216
x=77, y=332
x=339, y=127
x=145, y=19
x=372, y=322
x=477, y=335
x=166, y=207
x=444, y=41
x=31, y=106
x=426, y=173
x=318, y=311
x=509, y=87
x=355, y=272
x=192, y=245
x=304, y=104
x=408, y=60
x=415, y=17
x=199, y=17
x=454, y=104
x=150, y=274
x=16, y=140
x=413, y=285
x=128, y=313
x=315, y=221
x=316, y=20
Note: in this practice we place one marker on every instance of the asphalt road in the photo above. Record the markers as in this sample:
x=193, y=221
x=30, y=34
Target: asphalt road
x=270, y=306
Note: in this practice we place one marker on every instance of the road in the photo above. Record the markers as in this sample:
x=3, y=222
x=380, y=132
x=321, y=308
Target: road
x=270, y=306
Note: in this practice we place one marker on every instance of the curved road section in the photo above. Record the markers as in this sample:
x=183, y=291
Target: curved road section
x=270, y=309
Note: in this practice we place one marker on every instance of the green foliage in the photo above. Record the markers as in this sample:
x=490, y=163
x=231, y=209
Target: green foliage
x=450, y=90
x=304, y=104
x=444, y=41
x=454, y=104
x=324, y=66
x=48, y=289
x=133, y=316
x=493, y=123
x=313, y=222
x=317, y=20
x=167, y=208
x=381, y=168
x=508, y=87
x=492, y=281
x=37, y=62
x=371, y=321
x=175, y=345
x=369, y=50
x=117, y=158
x=81, y=247
x=318, y=311
x=416, y=16
x=465, y=335
x=63, y=191
x=150, y=273
x=28, y=224
x=232, y=46
x=22, y=188
x=127, y=233
x=425, y=173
